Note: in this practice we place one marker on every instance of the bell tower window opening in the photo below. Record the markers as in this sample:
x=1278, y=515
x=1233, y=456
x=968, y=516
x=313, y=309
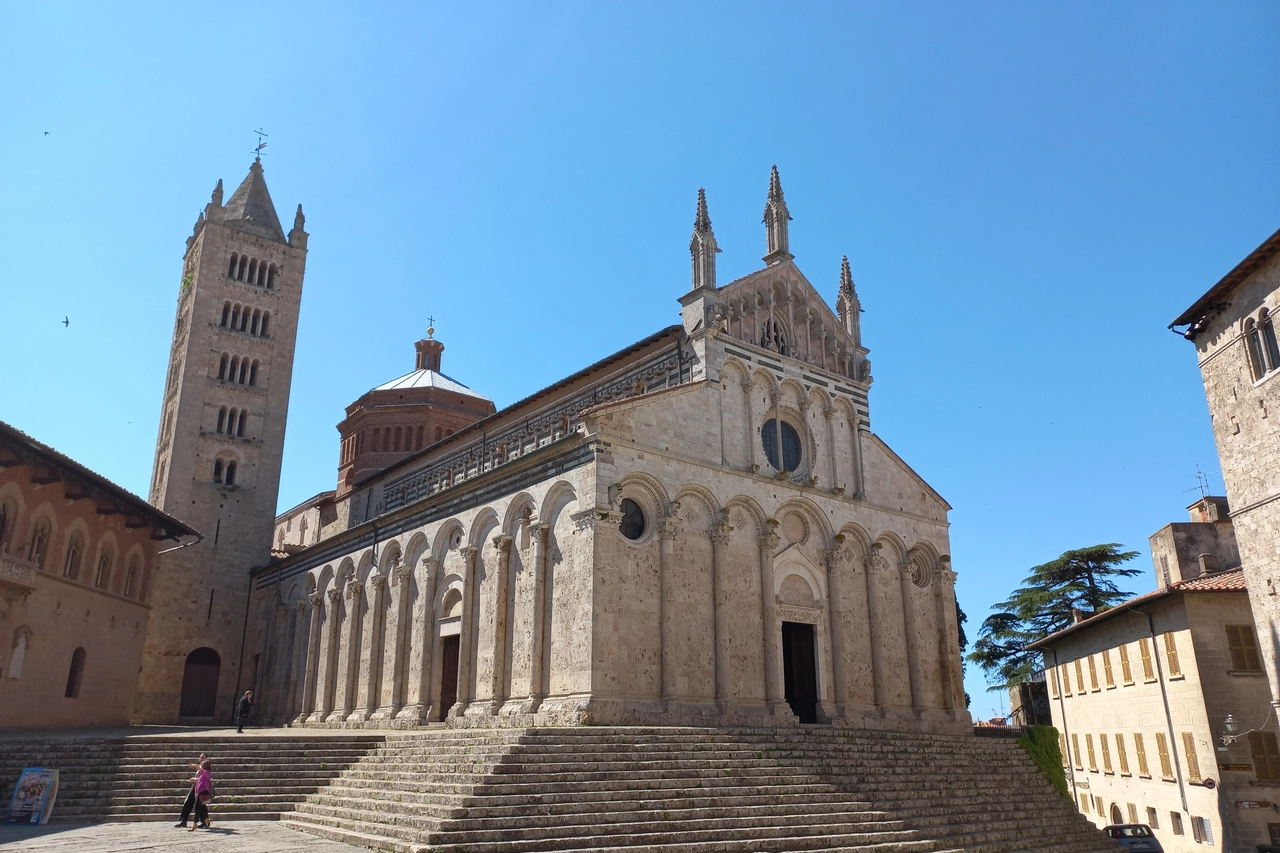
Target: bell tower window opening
x=773, y=336
x=633, y=523
x=244, y=262
x=217, y=471
x=791, y=446
x=231, y=270
x=230, y=478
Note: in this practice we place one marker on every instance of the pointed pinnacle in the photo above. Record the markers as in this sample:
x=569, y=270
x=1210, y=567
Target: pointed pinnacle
x=775, y=185
x=846, y=277
x=702, y=220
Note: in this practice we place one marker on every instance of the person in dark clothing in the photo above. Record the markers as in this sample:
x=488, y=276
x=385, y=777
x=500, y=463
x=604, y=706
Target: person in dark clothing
x=243, y=709
x=191, y=796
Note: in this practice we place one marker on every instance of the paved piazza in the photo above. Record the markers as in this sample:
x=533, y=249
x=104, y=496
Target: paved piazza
x=241, y=836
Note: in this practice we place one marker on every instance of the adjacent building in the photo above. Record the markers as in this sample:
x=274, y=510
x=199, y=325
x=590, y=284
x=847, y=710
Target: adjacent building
x=698, y=529
x=1162, y=704
x=1233, y=328
x=78, y=557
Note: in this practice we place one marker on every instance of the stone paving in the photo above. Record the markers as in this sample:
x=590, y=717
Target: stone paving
x=245, y=836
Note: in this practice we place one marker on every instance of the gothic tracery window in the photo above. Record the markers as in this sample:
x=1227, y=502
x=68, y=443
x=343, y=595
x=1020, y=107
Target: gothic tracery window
x=102, y=576
x=75, y=547
x=39, y=542
x=791, y=447
x=8, y=515
x=773, y=336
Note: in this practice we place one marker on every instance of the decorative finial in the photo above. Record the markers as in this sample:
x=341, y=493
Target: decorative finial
x=257, y=151
x=847, y=304
x=776, y=218
x=702, y=246
x=216, y=198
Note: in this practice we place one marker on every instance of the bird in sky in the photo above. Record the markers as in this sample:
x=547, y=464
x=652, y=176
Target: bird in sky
x=66, y=321
x=46, y=133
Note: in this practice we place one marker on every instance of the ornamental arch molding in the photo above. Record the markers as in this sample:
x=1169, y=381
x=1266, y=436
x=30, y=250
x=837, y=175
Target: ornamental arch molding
x=748, y=510
x=644, y=486
x=418, y=545
x=557, y=498
x=818, y=536
x=690, y=499
x=485, y=521
x=516, y=513
x=449, y=538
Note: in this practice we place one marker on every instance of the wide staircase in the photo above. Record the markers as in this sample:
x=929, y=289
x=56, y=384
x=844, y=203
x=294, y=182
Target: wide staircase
x=145, y=777
x=663, y=790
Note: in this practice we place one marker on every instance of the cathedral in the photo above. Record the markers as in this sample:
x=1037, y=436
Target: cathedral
x=700, y=529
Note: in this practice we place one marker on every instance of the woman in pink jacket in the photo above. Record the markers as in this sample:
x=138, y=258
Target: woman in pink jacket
x=204, y=792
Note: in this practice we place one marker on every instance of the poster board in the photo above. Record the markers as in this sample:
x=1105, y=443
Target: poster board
x=33, y=796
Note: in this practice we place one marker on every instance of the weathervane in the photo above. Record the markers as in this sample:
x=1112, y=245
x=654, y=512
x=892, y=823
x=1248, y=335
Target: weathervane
x=257, y=152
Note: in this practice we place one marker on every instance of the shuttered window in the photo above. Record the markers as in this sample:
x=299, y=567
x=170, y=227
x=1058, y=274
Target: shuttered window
x=1079, y=677
x=1266, y=756
x=1141, y=749
x=1171, y=655
x=1189, y=753
x=1125, y=672
x=1162, y=747
x=1066, y=680
x=1244, y=648
x=1062, y=747
x=1075, y=750
x=1053, y=683
x=1093, y=762
x=1107, y=674
x=1124, y=759
x=1133, y=813
x=1093, y=675
x=1106, y=753
x=1148, y=673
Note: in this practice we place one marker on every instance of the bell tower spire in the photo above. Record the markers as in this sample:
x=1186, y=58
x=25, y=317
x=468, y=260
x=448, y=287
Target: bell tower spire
x=702, y=246
x=847, y=303
x=776, y=218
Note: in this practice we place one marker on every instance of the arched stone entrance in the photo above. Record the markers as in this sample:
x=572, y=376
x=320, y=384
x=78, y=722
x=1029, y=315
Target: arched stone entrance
x=200, y=683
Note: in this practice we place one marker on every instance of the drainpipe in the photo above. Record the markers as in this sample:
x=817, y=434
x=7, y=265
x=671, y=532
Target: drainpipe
x=1168, y=717
x=1066, y=734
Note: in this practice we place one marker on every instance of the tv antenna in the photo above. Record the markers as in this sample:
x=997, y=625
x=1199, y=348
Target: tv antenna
x=1202, y=482
x=257, y=151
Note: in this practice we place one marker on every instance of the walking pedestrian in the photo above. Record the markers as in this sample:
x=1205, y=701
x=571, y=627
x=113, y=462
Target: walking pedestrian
x=190, y=802
x=203, y=783
x=242, y=711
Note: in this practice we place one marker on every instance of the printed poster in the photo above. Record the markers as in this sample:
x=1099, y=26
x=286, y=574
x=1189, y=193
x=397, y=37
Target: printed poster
x=33, y=796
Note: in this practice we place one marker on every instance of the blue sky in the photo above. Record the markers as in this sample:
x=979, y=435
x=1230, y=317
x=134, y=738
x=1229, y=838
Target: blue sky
x=1028, y=194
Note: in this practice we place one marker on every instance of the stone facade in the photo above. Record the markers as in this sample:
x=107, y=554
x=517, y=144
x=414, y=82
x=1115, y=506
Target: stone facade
x=1141, y=694
x=77, y=558
x=221, y=438
x=699, y=529
x=1233, y=329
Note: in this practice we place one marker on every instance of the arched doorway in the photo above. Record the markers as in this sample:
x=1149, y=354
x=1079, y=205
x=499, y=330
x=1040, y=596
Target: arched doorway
x=1116, y=817
x=200, y=683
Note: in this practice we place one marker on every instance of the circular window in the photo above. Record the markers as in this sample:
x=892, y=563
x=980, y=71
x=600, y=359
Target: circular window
x=790, y=445
x=632, y=525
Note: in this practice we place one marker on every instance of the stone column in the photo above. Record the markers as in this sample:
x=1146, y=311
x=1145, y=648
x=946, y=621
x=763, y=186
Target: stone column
x=412, y=690
x=537, y=663
x=467, y=642
x=949, y=642
x=296, y=678
x=719, y=534
x=857, y=483
x=377, y=643
x=276, y=678
x=311, y=660
x=906, y=574
x=829, y=415
x=747, y=387
x=771, y=628
x=775, y=397
x=668, y=529
x=875, y=565
x=835, y=607
x=355, y=621
x=331, y=656
x=502, y=582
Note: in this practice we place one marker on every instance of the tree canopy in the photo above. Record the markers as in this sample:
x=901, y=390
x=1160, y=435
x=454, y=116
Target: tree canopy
x=1083, y=579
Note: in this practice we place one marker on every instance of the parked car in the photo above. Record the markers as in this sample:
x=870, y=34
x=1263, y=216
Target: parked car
x=1135, y=836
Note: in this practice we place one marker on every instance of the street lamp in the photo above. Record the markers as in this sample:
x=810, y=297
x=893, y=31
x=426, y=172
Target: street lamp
x=1230, y=726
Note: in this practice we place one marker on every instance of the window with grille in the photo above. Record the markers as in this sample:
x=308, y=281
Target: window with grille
x=1124, y=758
x=1093, y=762
x=1266, y=756
x=1189, y=753
x=1201, y=830
x=1125, y=672
x=1106, y=753
x=1093, y=675
x=1107, y=674
x=1141, y=749
x=1175, y=820
x=1171, y=655
x=1148, y=673
x=1162, y=747
x=1244, y=648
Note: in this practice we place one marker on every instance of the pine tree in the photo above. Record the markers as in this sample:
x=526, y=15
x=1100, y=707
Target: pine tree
x=1083, y=579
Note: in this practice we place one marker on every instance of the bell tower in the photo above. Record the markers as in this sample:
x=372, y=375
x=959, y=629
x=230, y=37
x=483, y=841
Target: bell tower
x=217, y=461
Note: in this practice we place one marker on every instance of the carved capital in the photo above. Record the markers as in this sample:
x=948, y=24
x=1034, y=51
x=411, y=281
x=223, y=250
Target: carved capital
x=746, y=385
x=503, y=543
x=775, y=396
x=469, y=552
x=668, y=527
x=719, y=532
x=355, y=589
x=282, y=612
x=874, y=561
x=804, y=405
x=401, y=575
x=828, y=410
x=379, y=582
x=334, y=595
x=768, y=542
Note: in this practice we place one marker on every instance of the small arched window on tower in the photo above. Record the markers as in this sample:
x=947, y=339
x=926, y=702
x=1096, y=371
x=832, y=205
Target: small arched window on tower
x=222, y=367
x=226, y=313
x=1253, y=343
x=1270, y=349
x=222, y=419
x=377, y=439
x=244, y=319
x=217, y=471
x=8, y=515
x=253, y=271
x=253, y=323
x=399, y=436
x=75, y=547
x=244, y=419
x=231, y=270
x=253, y=373
x=439, y=433
x=244, y=262
x=235, y=318
x=271, y=278
x=39, y=549
x=106, y=557
x=230, y=478
x=244, y=371
x=266, y=318
x=132, y=577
